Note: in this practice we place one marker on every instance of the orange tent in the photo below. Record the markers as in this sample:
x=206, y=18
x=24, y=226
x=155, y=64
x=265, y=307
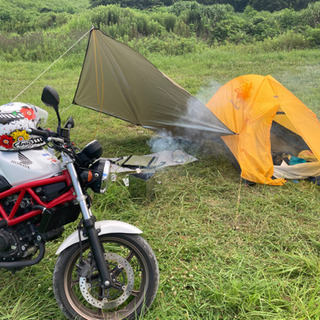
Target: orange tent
x=250, y=105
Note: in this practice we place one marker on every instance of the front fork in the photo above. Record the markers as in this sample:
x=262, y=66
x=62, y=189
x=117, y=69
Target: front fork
x=88, y=222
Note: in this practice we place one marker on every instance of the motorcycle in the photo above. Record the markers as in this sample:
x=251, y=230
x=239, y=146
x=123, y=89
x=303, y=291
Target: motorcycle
x=105, y=269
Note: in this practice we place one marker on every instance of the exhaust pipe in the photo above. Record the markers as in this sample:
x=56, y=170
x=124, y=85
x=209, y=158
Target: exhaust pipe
x=12, y=266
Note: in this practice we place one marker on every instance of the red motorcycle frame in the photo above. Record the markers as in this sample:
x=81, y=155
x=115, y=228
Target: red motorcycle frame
x=10, y=218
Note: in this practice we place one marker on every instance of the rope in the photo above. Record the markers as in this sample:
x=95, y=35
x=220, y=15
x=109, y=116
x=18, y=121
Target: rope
x=50, y=66
x=62, y=112
x=95, y=55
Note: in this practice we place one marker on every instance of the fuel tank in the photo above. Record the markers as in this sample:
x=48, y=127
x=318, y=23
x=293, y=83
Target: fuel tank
x=18, y=167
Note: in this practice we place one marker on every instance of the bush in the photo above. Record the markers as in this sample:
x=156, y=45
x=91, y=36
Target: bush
x=311, y=15
x=313, y=36
x=172, y=45
x=287, y=41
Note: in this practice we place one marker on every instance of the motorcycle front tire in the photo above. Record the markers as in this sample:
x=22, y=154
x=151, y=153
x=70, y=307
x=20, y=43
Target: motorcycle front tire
x=135, y=273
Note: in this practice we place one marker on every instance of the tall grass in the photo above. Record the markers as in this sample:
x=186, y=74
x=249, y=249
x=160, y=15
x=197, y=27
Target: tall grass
x=225, y=250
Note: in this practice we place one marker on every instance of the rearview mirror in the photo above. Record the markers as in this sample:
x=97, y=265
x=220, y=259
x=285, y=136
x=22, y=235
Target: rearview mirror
x=50, y=97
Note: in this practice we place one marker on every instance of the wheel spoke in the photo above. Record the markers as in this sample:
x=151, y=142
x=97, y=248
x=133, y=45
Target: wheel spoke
x=74, y=282
x=130, y=256
x=118, y=286
x=135, y=293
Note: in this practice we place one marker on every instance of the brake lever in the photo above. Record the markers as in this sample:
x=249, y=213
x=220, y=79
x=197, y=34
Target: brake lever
x=55, y=139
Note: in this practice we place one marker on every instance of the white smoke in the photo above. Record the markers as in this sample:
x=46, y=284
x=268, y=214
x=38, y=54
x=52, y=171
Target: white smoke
x=165, y=141
x=191, y=136
x=206, y=92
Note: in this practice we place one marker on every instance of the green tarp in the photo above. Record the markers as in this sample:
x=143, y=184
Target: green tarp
x=120, y=82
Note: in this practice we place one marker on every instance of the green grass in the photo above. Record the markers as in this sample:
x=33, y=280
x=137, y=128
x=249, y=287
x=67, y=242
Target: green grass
x=225, y=250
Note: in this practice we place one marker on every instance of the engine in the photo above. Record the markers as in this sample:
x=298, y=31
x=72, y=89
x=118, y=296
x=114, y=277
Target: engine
x=10, y=201
x=18, y=243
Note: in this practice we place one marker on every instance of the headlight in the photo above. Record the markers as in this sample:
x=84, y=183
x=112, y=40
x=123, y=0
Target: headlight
x=91, y=152
x=97, y=176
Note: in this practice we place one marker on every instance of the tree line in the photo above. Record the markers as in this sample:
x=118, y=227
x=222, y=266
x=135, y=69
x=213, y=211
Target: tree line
x=186, y=26
x=238, y=5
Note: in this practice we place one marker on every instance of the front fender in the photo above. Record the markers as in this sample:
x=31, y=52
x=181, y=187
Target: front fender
x=106, y=227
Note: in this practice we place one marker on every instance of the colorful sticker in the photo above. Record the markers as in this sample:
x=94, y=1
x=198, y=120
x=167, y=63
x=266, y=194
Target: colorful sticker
x=50, y=158
x=28, y=113
x=6, y=141
x=19, y=136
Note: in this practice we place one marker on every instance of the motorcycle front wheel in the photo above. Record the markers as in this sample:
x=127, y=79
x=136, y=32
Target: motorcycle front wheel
x=134, y=272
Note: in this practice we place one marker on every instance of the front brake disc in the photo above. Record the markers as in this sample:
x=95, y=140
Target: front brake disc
x=105, y=303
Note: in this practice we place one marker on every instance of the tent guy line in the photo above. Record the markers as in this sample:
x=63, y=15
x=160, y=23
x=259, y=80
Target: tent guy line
x=51, y=65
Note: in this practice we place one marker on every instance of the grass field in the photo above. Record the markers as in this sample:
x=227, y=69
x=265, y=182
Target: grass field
x=225, y=251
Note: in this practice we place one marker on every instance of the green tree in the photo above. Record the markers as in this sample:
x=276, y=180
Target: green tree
x=139, y=4
x=238, y=5
x=277, y=5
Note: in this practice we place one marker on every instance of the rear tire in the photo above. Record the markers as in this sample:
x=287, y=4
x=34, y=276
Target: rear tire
x=135, y=275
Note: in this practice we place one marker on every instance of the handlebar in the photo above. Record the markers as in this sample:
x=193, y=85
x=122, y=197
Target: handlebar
x=58, y=142
x=45, y=133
